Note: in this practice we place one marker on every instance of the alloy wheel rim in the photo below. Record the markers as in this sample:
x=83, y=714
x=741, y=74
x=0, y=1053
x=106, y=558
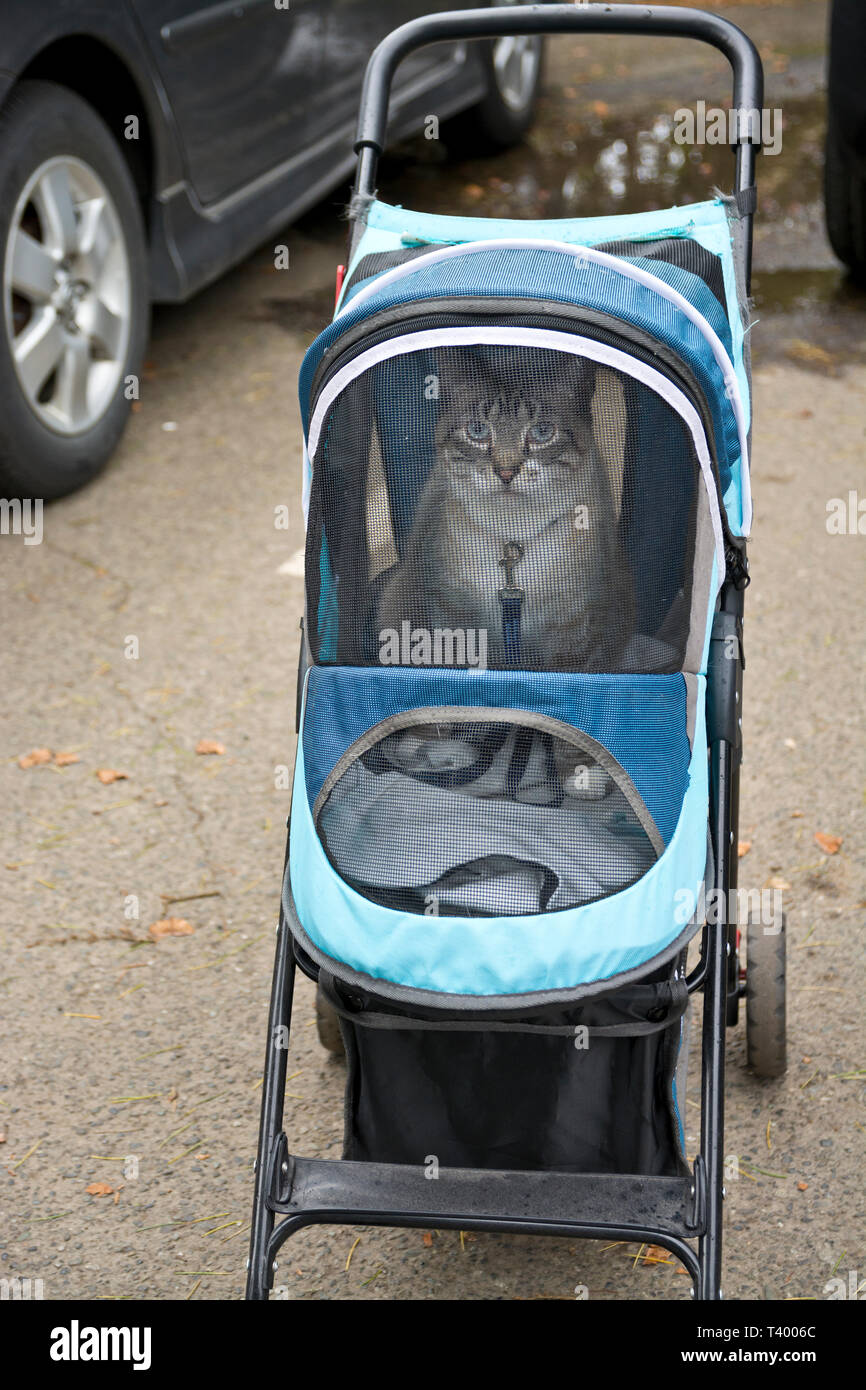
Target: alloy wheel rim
x=515, y=64
x=68, y=295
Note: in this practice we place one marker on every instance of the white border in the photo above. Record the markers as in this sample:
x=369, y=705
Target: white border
x=538, y=338
x=620, y=267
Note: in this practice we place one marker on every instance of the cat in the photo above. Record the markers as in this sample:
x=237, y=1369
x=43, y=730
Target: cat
x=517, y=473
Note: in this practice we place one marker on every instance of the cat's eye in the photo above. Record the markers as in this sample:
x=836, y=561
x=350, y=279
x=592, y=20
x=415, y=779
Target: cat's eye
x=477, y=430
x=543, y=432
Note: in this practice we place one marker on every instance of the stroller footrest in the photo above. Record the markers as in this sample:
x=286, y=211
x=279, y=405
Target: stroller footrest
x=342, y=1191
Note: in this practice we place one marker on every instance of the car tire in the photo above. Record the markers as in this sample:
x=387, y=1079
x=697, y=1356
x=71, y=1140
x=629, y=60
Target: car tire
x=75, y=311
x=845, y=204
x=513, y=72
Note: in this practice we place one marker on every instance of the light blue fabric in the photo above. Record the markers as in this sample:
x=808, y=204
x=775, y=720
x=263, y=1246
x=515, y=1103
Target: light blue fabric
x=550, y=275
x=504, y=955
x=389, y=227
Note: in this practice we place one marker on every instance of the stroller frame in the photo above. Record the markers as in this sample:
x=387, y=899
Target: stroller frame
x=683, y=1215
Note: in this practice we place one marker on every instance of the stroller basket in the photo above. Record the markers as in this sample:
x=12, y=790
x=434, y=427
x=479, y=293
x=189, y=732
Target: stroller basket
x=527, y=492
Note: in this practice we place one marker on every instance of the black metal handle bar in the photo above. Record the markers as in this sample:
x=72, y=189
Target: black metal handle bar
x=500, y=22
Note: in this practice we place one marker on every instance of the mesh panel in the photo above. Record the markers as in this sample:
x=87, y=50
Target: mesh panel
x=495, y=506
x=477, y=817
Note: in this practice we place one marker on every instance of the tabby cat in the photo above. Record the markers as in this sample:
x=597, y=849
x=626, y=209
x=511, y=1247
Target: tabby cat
x=517, y=472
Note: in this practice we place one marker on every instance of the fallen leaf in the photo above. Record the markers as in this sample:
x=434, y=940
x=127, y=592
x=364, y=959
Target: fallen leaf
x=2, y=1136
x=65, y=759
x=780, y=883
x=172, y=1096
x=804, y=414
x=802, y=1187
x=801, y=351
x=35, y=757
x=100, y=1189
x=796, y=815
x=170, y=926
x=743, y=847
x=428, y=1238
x=807, y=1059
x=107, y=775
x=209, y=745
x=600, y=108
x=654, y=1253
x=474, y=190
x=830, y=844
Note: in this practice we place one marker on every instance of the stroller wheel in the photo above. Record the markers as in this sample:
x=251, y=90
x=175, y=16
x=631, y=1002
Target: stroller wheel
x=328, y=1026
x=765, y=998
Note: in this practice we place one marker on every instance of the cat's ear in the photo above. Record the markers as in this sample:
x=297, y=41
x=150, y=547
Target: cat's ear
x=576, y=380
x=458, y=372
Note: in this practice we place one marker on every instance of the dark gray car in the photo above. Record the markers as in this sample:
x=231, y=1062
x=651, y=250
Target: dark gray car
x=148, y=145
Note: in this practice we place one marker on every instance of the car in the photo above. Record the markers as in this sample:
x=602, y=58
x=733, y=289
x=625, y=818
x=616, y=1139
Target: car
x=146, y=146
x=845, y=150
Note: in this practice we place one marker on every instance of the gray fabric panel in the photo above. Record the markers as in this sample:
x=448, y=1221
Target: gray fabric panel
x=738, y=247
x=705, y=549
x=472, y=714
x=408, y=1023
x=691, y=681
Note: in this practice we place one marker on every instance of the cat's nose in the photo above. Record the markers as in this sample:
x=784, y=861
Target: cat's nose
x=507, y=471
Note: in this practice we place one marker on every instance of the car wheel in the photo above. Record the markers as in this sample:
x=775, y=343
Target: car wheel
x=845, y=203
x=75, y=300
x=512, y=69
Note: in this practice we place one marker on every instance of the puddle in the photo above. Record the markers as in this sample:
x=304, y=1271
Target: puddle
x=586, y=160
x=590, y=162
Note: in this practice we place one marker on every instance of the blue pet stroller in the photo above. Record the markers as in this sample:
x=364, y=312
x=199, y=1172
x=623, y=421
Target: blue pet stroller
x=516, y=788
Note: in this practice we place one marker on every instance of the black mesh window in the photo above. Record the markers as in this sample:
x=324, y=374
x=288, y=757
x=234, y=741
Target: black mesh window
x=474, y=817
x=497, y=506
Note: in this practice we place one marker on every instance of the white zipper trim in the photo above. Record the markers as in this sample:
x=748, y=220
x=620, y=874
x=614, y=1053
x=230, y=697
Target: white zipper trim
x=620, y=267
x=537, y=338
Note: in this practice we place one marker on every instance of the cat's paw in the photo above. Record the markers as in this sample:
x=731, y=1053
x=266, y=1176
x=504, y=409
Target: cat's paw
x=587, y=784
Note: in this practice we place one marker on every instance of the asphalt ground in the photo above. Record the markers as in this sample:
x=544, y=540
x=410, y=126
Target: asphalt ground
x=134, y=1063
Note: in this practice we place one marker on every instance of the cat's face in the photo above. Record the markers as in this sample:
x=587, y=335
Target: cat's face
x=497, y=439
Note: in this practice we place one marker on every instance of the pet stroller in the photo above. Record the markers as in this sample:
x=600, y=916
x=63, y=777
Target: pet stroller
x=515, y=796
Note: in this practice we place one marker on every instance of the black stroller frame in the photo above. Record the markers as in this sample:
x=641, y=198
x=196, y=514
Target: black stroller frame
x=683, y=1215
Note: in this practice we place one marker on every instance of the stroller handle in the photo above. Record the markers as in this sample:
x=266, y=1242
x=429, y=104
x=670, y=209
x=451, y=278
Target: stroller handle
x=748, y=72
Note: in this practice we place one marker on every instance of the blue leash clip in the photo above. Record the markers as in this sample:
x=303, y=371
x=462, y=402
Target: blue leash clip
x=511, y=598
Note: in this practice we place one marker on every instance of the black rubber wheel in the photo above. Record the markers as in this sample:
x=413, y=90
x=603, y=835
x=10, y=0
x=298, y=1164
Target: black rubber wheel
x=328, y=1026
x=845, y=205
x=75, y=304
x=513, y=72
x=766, y=1046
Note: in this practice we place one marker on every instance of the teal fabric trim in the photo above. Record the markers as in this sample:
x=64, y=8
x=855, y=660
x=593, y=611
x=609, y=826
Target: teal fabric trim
x=505, y=955
x=389, y=227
